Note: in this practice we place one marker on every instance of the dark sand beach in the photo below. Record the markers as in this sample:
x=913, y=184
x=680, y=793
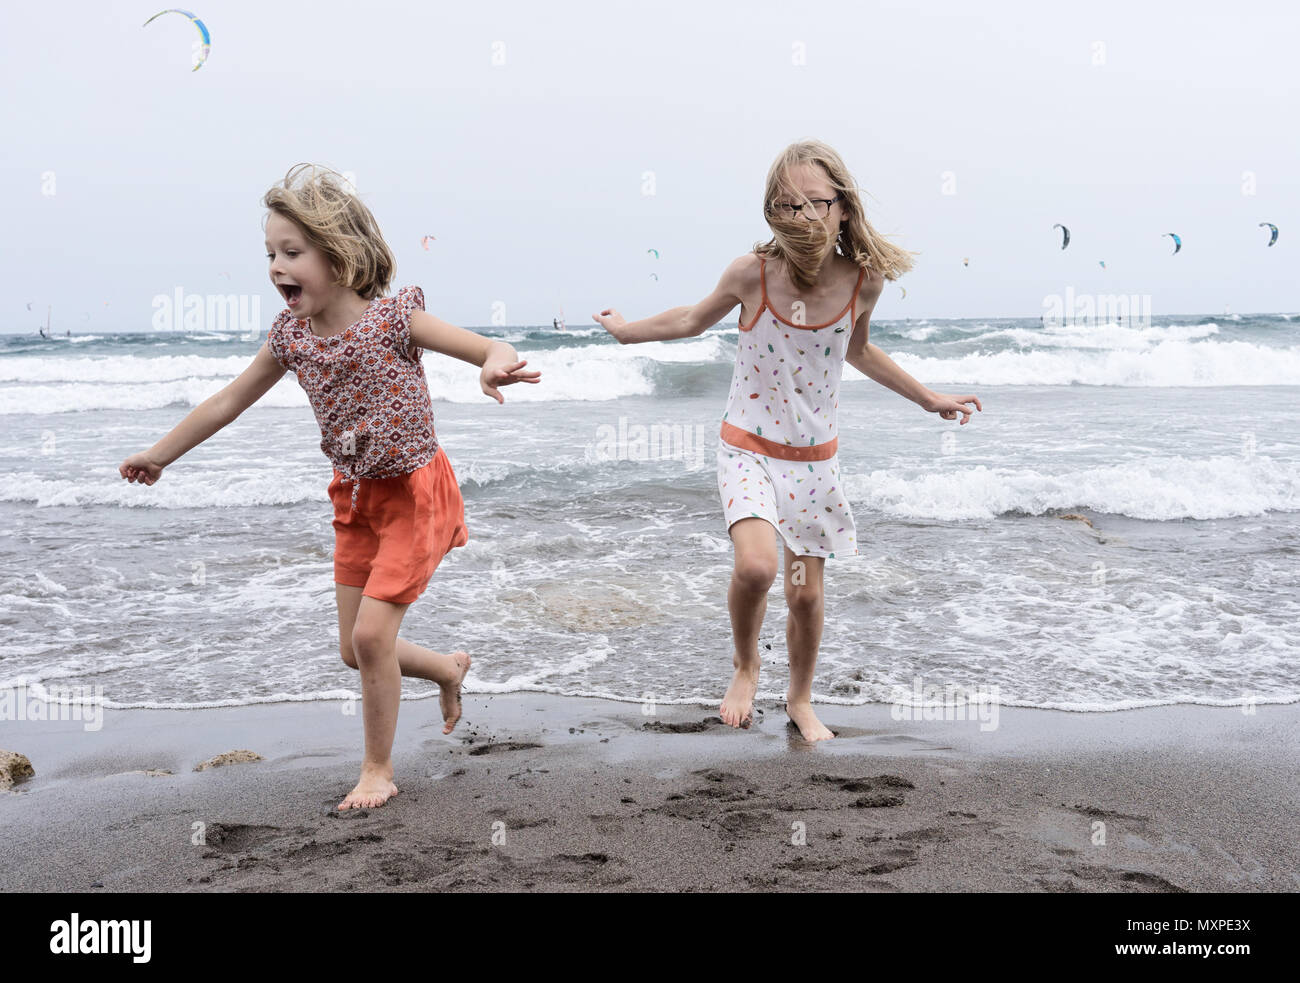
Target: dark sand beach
x=535, y=792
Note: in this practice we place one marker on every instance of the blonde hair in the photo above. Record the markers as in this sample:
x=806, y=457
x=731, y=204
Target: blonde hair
x=801, y=243
x=322, y=204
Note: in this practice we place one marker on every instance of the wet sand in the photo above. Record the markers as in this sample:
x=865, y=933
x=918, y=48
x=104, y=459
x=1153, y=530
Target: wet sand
x=537, y=792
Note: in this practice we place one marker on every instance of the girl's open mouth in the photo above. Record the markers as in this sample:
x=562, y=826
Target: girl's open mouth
x=292, y=293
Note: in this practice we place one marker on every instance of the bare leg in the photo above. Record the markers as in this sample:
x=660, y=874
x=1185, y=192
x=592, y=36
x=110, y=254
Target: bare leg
x=751, y=578
x=448, y=671
x=803, y=636
x=374, y=643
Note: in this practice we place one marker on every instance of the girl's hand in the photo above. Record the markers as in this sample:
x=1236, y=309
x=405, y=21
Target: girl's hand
x=949, y=406
x=138, y=467
x=502, y=374
x=612, y=321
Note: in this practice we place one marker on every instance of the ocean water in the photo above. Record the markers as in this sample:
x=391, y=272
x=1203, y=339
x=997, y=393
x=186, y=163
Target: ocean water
x=605, y=574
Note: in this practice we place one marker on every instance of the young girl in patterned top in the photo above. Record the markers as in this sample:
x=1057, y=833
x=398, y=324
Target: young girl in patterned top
x=801, y=319
x=397, y=507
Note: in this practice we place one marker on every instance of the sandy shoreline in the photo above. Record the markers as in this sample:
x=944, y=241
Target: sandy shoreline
x=536, y=792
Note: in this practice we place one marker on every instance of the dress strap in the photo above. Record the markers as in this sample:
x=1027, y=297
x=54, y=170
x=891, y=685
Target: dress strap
x=762, y=282
x=853, y=304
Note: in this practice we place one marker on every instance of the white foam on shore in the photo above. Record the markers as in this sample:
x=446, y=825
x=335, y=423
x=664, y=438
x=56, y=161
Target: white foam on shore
x=180, y=491
x=1109, y=355
x=126, y=369
x=1169, y=363
x=1106, y=336
x=1159, y=488
x=1162, y=488
x=472, y=688
x=584, y=372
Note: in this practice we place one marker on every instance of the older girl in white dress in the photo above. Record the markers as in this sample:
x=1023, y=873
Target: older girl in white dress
x=806, y=298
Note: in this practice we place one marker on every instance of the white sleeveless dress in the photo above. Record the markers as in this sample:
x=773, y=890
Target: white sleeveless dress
x=777, y=453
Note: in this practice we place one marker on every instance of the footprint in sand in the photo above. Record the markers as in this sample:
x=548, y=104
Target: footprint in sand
x=687, y=727
x=502, y=747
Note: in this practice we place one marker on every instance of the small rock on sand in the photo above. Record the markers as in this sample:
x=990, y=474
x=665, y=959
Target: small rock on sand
x=14, y=768
x=229, y=758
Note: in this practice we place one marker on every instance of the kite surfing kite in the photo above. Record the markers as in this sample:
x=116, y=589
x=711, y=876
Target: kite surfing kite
x=202, y=54
x=1065, y=234
x=965, y=261
x=655, y=251
x=904, y=289
x=1272, y=238
x=425, y=242
x=1102, y=262
x=1178, y=242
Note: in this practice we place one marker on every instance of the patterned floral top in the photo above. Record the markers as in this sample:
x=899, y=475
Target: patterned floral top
x=366, y=386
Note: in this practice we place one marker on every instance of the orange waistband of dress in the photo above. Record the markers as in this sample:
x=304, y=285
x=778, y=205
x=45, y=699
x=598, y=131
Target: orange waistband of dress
x=747, y=441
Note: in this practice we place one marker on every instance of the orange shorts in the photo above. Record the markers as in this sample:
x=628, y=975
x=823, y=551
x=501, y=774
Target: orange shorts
x=399, y=532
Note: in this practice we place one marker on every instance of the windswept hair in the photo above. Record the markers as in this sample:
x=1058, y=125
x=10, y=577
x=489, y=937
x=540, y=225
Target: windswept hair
x=801, y=243
x=321, y=203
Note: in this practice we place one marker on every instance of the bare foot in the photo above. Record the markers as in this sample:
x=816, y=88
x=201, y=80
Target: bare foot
x=738, y=702
x=812, y=729
x=374, y=789
x=449, y=695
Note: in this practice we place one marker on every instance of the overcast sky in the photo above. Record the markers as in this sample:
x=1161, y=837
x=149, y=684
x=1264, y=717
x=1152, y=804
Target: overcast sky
x=530, y=171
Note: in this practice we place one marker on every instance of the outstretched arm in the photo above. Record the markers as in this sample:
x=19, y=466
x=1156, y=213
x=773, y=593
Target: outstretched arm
x=684, y=322
x=501, y=363
x=879, y=367
x=876, y=365
x=217, y=411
